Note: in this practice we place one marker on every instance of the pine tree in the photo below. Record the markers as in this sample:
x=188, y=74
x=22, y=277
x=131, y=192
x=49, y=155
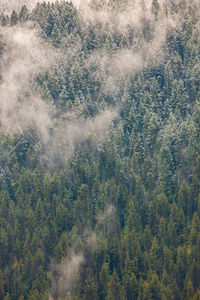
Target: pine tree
x=104, y=279
x=24, y=14
x=14, y=18
x=55, y=36
x=115, y=290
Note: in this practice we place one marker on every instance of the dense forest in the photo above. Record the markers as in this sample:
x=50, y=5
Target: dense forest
x=99, y=151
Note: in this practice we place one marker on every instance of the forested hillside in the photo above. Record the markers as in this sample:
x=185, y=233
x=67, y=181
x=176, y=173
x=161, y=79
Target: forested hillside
x=99, y=151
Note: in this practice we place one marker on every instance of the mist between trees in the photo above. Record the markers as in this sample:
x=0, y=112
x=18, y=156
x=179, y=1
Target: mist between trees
x=99, y=145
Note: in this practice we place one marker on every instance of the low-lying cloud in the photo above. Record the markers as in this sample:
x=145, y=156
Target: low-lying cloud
x=6, y=6
x=24, y=55
x=65, y=274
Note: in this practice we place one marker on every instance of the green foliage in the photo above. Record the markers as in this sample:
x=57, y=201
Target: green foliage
x=14, y=18
x=130, y=202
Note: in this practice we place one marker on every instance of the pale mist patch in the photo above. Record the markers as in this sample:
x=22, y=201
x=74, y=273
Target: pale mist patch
x=130, y=18
x=71, y=131
x=105, y=224
x=6, y=6
x=26, y=55
x=65, y=274
x=120, y=16
x=23, y=57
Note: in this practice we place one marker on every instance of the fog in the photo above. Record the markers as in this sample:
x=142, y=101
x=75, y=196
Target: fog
x=24, y=55
x=66, y=273
x=22, y=104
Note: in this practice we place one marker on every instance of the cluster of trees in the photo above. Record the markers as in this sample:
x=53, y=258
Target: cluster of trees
x=146, y=172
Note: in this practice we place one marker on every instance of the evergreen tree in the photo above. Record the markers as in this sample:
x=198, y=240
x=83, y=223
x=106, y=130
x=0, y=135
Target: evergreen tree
x=14, y=18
